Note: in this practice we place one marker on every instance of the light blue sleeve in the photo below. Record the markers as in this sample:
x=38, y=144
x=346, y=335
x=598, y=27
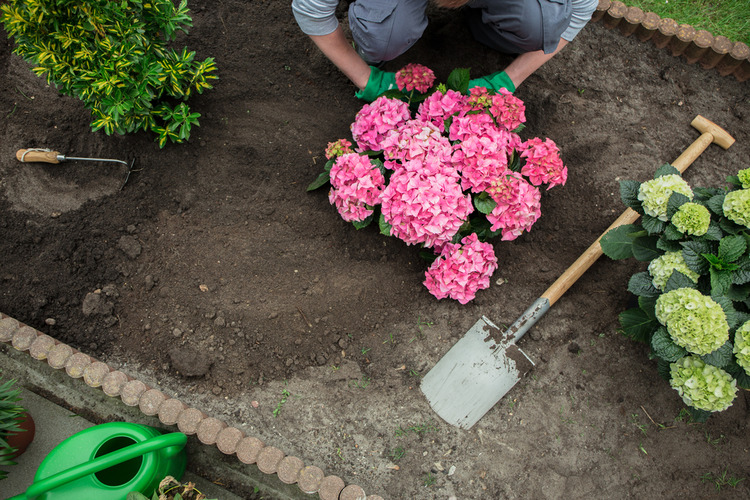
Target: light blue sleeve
x=315, y=17
x=582, y=11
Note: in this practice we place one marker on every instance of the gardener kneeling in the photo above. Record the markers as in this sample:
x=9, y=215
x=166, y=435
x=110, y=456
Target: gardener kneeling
x=536, y=30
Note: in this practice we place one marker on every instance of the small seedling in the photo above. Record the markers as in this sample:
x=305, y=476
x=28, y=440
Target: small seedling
x=365, y=350
x=398, y=453
x=634, y=418
x=284, y=396
x=390, y=340
x=360, y=384
x=714, y=441
x=721, y=480
x=414, y=373
x=429, y=480
x=640, y=447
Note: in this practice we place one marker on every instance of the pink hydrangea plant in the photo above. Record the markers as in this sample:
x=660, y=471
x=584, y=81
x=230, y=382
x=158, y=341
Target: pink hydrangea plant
x=543, y=164
x=518, y=205
x=356, y=186
x=461, y=270
x=508, y=110
x=414, y=139
x=415, y=77
x=373, y=122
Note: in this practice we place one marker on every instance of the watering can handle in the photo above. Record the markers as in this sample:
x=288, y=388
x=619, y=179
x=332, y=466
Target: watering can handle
x=175, y=439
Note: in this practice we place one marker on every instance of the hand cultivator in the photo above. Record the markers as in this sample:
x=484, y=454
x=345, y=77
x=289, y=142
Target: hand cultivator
x=486, y=363
x=34, y=155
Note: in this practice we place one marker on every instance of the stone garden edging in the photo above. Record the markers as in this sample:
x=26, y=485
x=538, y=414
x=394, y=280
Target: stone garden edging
x=171, y=412
x=682, y=40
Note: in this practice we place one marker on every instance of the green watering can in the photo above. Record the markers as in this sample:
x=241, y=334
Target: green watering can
x=107, y=461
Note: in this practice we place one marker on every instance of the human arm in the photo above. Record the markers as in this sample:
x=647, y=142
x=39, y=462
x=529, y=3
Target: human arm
x=340, y=52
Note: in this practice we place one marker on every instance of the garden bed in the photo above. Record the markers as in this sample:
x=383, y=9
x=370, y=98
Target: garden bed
x=214, y=276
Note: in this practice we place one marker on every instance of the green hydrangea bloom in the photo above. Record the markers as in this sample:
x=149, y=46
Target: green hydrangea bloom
x=693, y=320
x=737, y=206
x=654, y=194
x=661, y=269
x=702, y=386
x=692, y=218
x=742, y=346
x=744, y=176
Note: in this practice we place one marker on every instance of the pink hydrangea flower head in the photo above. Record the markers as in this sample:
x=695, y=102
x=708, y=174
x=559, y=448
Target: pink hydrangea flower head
x=424, y=204
x=414, y=139
x=338, y=148
x=373, y=122
x=461, y=270
x=356, y=186
x=439, y=106
x=543, y=163
x=472, y=124
x=518, y=205
x=508, y=110
x=415, y=77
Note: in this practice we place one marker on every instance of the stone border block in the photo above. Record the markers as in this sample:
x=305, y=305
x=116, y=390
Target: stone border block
x=309, y=479
x=41, y=347
x=8, y=327
x=269, y=459
x=58, y=355
x=353, y=492
x=94, y=374
x=150, y=401
x=289, y=469
x=248, y=449
x=169, y=411
x=131, y=392
x=189, y=420
x=209, y=429
x=228, y=440
x=330, y=488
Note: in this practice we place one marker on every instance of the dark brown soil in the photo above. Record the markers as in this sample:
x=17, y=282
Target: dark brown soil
x=214, y=274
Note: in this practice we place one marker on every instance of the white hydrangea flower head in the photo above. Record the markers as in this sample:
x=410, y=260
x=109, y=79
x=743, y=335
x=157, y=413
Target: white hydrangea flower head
x=742, y=346
x=702, y=386
x=693, y=320
x=737, y=206
x=692, y=218
x=654, y=194
x=661, y=268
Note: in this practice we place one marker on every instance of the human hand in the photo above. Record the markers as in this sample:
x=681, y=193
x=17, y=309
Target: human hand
x=379, y=82
x=495, y=81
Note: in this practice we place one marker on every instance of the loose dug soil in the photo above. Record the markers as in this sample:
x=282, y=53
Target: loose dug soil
x=215, y=275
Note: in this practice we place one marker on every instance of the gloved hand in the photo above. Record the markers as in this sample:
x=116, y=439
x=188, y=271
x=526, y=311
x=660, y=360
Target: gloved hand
x=495, y=81
x=379, y=82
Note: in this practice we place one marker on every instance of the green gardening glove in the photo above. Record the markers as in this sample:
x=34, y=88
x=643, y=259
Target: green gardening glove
x=495, y=81
x=379, y=82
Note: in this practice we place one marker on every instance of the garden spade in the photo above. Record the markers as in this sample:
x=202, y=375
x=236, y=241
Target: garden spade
x=486, y=363
x=33, y=155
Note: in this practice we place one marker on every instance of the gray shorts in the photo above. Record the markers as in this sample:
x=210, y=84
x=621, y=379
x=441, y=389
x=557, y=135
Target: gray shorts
x=385, y=29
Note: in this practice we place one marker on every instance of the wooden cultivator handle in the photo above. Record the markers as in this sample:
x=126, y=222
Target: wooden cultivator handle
x=38, y=155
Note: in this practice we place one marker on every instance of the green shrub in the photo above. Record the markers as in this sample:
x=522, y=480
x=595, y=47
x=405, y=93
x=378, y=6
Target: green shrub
x=114, y=57
x=694, y=299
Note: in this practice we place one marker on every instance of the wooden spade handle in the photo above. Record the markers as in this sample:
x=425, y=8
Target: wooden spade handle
x=710, y=133
x=33, y=156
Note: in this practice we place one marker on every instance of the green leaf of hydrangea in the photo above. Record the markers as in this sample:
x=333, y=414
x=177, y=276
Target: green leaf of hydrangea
x=692, y=252
x=648, y=305
x=720, y=281
x=458, y=80
x=721, y=357
x=679, y=280
x=733, y=319
x=641, y=284
x=385, y=228
x=484, y=203
x=644, y=248
x=136, y=495
x=732, y=247
x=738, y=293
x=321, y=181
x=666, y=245
x=676, y=200
x=705, y=194
x=629, y=195
x=741, y=275
x=739, y=374
x=716, y=204
x=653, y=225
x=672, y=233
x=363, y=224
x=617, y=243
x=714, y=232
x=666, y=169
x=665, y=348
x=697, y=415
x=637, y=325
x=662, y=368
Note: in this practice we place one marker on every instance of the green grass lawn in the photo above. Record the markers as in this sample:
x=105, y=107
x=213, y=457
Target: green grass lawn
x=729, y=18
